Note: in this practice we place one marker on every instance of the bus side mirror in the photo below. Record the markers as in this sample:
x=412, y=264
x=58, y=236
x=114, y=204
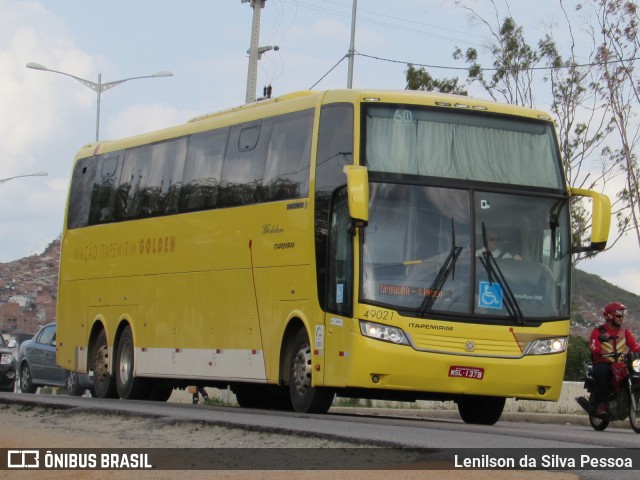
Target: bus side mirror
x=358, y=194
x=600, y=219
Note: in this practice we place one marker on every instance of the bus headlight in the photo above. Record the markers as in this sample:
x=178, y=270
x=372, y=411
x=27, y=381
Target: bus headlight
x=545, y=346
x=383, y=332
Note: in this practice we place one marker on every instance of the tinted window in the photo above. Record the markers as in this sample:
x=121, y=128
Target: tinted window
x=103, y=197
x=244, y=165
x=218, y=168
x=84, y=176
x=151, y=179
x=162, y=188
x=130, y=194
x=202, y=171
x=287, y=170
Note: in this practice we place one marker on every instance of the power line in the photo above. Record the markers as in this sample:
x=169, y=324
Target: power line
x=330, y=70
x=365, y=19
x=442, y=67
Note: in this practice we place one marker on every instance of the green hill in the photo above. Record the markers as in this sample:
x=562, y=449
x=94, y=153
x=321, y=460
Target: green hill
x=590, y=294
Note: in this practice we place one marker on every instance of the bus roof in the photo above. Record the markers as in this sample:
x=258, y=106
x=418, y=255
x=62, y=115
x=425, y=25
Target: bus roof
x=309, y=99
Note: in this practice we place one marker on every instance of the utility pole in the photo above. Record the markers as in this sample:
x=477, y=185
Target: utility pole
x=255, y=52
x=352, y=47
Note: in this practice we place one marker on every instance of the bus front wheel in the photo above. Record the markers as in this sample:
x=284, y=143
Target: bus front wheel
x=480, y=410
x=103, y=382
x=128, y=386
x=304, y=397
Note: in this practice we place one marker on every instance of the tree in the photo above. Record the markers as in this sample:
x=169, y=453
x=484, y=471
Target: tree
x=583, y=123
x=617, y=52
x=420, y=79
x=583, y=111
x=513, y=60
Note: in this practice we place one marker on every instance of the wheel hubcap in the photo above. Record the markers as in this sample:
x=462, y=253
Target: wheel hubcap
x=302, y=370
x=101, y=364
x=24, y=378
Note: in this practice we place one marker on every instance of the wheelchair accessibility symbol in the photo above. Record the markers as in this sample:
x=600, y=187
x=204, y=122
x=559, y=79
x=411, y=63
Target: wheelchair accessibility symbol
x=490, y=295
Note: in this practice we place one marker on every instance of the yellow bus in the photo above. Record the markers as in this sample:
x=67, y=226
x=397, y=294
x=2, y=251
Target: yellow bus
x=368, y=244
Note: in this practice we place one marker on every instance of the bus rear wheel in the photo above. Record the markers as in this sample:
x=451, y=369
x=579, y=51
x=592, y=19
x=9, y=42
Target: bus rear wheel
x=128, y=386
x=304, y=397
x=103, y=383
x=480, y=410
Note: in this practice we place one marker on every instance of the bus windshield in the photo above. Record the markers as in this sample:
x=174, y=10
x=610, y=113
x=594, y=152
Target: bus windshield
x=408, y=140
x=464, y=250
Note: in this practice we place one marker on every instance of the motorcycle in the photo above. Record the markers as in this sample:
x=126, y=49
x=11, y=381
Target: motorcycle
x=624, y=396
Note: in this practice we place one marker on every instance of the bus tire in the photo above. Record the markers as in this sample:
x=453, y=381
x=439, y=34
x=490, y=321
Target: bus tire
x=103, y=383
x=129, y=387
x=304, y=397
x=480, y=410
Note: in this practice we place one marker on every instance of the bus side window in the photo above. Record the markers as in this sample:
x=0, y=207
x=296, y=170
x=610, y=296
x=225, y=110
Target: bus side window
x=162, y=185
x=103, y=197
x=202, y=170
x=130, y=192
x=286, y=173
x=243, y=166
x=84, y=175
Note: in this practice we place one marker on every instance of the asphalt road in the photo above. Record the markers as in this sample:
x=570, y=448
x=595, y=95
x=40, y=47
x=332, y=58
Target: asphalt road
x=434, y=437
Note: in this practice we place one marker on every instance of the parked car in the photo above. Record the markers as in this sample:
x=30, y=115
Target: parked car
x=8, y=365
x=37, y=366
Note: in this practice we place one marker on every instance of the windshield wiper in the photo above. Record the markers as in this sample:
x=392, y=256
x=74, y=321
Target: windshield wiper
x=448, y=267
x=493, y=271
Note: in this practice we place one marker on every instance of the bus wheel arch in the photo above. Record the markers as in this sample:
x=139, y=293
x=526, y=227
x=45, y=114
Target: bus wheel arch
x=100, y=363
x=286, y=348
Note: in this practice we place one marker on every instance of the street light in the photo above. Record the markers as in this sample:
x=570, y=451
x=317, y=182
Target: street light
x=37, y=174
x=98, y=87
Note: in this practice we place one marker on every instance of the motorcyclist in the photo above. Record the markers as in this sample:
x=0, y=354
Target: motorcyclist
x=619, y=340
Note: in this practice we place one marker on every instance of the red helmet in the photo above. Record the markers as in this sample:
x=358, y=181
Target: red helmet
x=611, y=309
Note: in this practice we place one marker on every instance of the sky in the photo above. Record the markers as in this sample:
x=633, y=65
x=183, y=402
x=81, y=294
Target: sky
x=46, y=117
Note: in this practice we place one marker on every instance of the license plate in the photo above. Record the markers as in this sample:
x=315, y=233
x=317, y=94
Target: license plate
x=466, y=372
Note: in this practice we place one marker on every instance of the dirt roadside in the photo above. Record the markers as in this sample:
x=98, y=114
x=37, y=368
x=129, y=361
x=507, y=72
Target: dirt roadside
x=26, y=427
